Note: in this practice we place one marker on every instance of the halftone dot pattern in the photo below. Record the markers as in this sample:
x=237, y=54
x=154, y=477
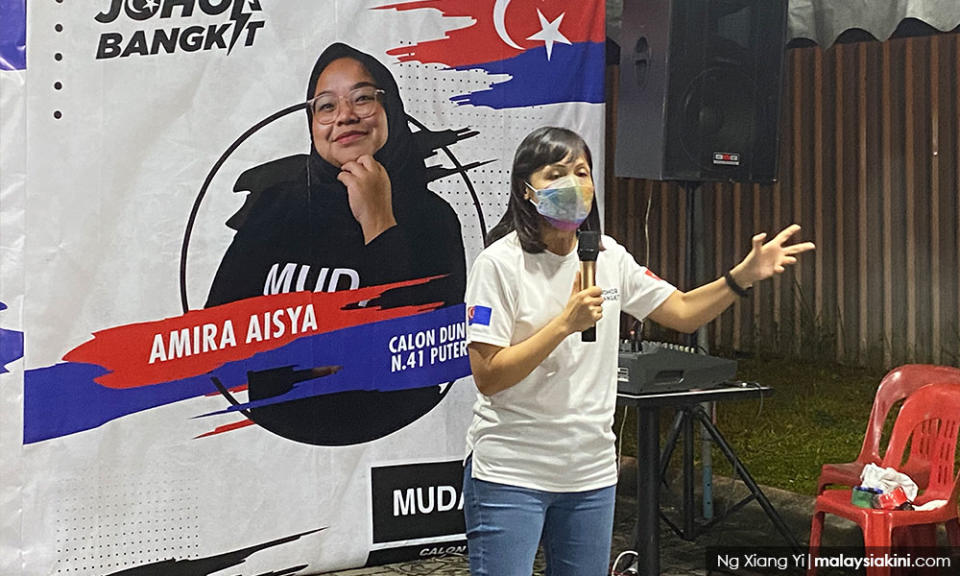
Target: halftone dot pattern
x=121, y=524
x=426, y=91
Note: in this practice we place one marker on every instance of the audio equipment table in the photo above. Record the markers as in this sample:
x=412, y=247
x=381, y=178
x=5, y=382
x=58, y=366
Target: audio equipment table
x=651, y=465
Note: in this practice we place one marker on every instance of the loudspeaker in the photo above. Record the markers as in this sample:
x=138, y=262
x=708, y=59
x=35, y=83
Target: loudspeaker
x=699, y=91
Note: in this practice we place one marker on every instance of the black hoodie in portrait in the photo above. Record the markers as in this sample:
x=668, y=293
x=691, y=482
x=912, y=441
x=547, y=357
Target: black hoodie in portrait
x=295, y=232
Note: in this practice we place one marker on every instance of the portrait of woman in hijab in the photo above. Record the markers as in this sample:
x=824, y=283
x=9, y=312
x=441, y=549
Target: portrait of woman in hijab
x=353, y=212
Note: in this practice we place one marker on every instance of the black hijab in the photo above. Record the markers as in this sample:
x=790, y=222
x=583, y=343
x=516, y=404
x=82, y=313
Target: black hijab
x=399, y=154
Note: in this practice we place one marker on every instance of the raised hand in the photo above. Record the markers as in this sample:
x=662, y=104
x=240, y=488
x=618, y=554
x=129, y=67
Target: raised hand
x=767, y=259
x=370, y=195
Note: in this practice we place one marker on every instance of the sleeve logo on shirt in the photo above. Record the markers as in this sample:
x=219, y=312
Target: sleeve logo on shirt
x=478, y=315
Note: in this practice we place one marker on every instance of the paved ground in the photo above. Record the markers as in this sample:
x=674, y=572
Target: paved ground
x=748, y=527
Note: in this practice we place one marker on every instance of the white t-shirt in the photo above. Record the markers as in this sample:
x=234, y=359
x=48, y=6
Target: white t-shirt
x=552, y=431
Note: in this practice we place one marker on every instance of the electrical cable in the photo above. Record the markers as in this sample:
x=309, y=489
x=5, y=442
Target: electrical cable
x=623, y=424
x=646, y=230
x=646, y=255
x=613, y=567
x=637, y=336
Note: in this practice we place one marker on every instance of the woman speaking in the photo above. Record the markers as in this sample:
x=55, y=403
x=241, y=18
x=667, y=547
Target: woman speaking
x=541, y=461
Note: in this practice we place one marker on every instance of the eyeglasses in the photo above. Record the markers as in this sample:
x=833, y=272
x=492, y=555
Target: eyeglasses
x=363, y=101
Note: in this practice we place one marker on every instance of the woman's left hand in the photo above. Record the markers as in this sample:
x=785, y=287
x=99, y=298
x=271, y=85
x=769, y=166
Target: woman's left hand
x=370, y=195
x=765, y=260
x=687, y=311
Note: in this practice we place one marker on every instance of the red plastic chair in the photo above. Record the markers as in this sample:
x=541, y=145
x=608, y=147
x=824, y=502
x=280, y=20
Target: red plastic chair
x=895, y=386
x=931, y=417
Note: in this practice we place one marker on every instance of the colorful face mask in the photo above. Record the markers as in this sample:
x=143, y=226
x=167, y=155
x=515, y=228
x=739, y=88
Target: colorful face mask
x=564, y=202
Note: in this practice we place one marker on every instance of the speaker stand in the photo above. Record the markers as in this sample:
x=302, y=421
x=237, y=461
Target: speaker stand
x=694, y=270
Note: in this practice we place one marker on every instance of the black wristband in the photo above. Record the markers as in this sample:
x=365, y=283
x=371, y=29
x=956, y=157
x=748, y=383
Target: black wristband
x=737, y=289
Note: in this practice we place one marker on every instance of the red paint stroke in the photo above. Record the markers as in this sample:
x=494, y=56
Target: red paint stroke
x=126, y=351
x=226, y=428
x=479, y=42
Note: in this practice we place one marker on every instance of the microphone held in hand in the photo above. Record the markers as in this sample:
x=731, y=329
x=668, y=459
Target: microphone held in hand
x=588, y=248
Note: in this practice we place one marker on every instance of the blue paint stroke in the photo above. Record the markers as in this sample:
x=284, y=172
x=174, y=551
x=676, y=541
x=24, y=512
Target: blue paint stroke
x=13, y=34
x=574, y=73
x=11, y=345
x=64, y=399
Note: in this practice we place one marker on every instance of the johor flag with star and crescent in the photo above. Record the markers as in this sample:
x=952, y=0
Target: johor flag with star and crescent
x=551, y=50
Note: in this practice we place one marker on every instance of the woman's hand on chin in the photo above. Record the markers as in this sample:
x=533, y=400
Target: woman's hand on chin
x=370, y=195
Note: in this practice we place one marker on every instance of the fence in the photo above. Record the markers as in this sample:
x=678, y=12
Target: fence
x=869, y=157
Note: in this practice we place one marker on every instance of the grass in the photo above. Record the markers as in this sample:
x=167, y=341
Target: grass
x=817, y=414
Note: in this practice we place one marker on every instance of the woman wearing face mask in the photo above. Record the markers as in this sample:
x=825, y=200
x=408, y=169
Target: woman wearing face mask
x=353, y=212
x=541, y=459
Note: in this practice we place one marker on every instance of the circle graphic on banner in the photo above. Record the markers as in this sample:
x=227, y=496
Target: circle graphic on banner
x=338, y=418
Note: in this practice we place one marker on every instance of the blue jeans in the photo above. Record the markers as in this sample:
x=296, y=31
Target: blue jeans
x=505, y=523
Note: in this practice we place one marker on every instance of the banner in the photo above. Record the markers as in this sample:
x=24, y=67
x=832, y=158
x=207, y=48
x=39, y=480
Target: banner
x=13, y=167
x=235, y=241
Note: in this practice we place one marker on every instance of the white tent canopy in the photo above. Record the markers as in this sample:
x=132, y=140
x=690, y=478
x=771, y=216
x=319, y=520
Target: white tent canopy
x=822, y=21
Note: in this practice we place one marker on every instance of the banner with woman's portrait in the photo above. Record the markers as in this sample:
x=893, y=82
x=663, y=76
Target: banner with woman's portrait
x=235, y=240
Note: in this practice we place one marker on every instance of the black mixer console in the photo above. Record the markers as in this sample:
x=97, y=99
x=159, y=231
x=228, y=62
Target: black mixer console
x=659, y=367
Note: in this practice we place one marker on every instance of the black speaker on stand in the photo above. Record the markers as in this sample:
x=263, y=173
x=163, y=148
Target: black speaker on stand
x=699, y=91
x=699, y=100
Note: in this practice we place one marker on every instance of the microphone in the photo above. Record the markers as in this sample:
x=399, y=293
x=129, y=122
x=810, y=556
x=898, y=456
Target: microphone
x=588, y=249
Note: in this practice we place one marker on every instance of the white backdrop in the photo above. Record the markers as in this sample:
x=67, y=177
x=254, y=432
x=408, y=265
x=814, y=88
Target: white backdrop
x=13, y=165
x=102, y=159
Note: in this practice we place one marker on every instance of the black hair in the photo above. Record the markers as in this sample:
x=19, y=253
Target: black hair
x=544, y=146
